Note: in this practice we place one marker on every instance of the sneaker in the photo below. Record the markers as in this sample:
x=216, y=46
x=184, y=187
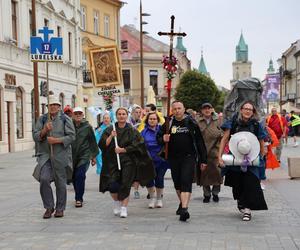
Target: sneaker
x=117, y=208
x=262, y=186
x=123, y=213
x=184, y=215
x=159, y=203
x=296, y=144
x=152, y=203
x=136, y=195
x=206, y=199
x=215, y=198
x=178, y=209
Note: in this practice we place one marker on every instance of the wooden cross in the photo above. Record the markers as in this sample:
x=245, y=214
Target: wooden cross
x=171, y=34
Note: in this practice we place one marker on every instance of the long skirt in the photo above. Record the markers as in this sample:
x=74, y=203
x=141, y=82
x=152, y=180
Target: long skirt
x=246, y=189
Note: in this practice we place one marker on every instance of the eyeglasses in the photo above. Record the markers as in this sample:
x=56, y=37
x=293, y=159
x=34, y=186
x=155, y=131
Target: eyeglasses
x=247, y=109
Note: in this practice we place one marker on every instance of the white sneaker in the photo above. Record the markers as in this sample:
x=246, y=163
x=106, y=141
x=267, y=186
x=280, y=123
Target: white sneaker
x=117, y=208
x=152, y=203
x=159, y=203
x=262, y=186
x=296, y=144
x=123, y=213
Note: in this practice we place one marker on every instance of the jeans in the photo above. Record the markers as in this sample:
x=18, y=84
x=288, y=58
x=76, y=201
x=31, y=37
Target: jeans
x=79, y=180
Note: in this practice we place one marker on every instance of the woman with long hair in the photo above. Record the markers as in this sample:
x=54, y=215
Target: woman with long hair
x=245, y=184
x=135, y=163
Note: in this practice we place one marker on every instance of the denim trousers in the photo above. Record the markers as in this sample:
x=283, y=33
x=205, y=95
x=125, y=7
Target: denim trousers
x=79, y=176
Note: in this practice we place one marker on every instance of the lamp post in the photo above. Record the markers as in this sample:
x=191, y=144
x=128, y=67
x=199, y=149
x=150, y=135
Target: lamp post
x=142, y=51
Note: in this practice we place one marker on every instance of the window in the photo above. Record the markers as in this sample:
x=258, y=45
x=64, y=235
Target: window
x=14, y=21
x=124, y=45
x=126, y=79
x=62, y=99
x=106, y=25
x=46, y=22
x=96, y=22
x=58, y=31
x=83, y=17
x=84, y=61
x=154, y=80
x=19, y=113
x=30, y=22
x=73, y=101
x=70, y=46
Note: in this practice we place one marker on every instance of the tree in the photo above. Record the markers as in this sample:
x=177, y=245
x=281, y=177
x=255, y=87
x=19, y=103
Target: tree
x=196, y=88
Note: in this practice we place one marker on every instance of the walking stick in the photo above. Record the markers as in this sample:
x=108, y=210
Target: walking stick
x=115, y=138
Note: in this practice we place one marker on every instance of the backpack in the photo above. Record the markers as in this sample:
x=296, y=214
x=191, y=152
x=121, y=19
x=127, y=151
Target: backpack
x=252, y=126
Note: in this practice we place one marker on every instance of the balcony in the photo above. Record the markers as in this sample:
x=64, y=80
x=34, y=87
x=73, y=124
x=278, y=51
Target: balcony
x=87, y=76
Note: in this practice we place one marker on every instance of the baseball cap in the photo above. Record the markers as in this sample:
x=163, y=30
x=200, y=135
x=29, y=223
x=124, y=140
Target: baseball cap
x=78, y=109
x=68, y=108
x=206, y=104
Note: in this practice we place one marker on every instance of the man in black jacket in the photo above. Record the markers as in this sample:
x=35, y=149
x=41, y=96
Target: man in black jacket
x=186, y=151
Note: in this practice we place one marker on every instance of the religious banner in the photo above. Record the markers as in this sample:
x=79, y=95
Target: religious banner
x=271, y=90
x=105, y=65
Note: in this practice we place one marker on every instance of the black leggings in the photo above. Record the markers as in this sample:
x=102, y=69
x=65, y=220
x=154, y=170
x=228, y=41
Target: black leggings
x=182, y=170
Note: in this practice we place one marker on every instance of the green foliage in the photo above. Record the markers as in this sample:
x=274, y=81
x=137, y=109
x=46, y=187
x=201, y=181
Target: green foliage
x=196, y=88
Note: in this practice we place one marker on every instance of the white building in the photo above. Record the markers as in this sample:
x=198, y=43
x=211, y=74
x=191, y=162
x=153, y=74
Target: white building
x=16, y=70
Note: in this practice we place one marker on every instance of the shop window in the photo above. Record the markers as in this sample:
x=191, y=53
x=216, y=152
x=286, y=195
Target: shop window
x=19, y=113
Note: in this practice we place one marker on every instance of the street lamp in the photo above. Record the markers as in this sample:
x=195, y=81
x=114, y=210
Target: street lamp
x=142, y=51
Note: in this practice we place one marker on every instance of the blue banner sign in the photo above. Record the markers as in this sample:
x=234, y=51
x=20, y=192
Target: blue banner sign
x=43, y=49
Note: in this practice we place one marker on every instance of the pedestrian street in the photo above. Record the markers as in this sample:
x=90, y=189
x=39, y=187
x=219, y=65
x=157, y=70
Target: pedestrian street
x=212, y=225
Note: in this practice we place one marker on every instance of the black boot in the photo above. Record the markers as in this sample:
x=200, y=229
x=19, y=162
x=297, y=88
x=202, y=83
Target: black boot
x=184, y=215
x=179, y=209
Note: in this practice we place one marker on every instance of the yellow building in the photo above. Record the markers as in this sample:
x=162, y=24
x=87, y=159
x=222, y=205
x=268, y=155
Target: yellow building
x=100, y=27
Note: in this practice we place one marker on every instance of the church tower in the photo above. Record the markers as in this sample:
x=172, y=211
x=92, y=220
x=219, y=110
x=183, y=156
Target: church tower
x=242, y=66
x=202, y=68
x=271, y=69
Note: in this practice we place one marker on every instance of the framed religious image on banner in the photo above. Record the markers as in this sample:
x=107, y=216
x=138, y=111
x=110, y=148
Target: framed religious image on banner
x=105, y=64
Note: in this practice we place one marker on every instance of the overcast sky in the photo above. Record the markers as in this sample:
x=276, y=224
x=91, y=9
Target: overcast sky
x=269, y=27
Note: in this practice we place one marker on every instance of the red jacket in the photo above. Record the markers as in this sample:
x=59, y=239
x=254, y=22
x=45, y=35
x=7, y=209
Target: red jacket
x=277, y=126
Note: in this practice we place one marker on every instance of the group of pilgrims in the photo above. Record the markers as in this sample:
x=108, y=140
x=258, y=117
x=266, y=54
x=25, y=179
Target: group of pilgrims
x=138, y=148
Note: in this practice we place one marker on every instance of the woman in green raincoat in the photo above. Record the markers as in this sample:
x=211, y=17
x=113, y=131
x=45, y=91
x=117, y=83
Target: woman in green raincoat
x=136, y=163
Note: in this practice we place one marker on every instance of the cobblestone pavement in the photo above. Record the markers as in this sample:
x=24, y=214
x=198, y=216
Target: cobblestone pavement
x=212, y=225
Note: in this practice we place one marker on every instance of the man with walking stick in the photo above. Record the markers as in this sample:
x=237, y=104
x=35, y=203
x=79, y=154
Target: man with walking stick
x=53, y=135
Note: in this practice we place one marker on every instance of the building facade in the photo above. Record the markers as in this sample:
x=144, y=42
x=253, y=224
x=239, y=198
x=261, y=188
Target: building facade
x=290, y=77
x=100, y=27
x=154, y=74
x=16, y=69
x=241, y=67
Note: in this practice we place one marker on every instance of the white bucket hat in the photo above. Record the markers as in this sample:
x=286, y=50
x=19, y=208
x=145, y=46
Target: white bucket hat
x=53, y=100
x=244, y=144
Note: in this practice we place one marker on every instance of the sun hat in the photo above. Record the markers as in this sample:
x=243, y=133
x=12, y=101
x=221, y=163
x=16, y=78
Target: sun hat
x=53, y=100
x=244, y=144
